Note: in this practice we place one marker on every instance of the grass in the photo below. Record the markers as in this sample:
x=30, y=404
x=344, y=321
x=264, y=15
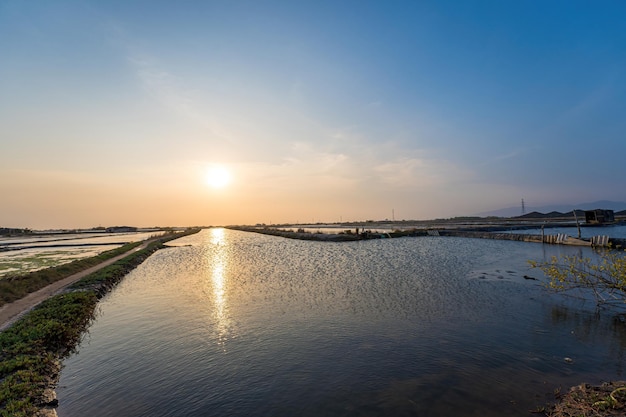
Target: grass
x=31, y=349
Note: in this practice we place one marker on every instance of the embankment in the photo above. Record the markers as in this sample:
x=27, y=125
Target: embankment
x=480, y=233
x=289, y=234
x=31, y=350
x=615, y=243
x=343, y=236
x=491, y=235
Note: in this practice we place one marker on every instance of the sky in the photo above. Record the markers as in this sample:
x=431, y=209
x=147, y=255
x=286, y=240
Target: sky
x=112, y=112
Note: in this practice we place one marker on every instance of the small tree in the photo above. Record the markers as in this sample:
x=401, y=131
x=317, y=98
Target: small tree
x=605, y=277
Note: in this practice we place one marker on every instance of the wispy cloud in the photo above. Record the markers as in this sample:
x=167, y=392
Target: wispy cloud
x=514, y=154
x=590, y=102
x=419, y=173
x=597, y=97
x=164, y=87
x=162, y=84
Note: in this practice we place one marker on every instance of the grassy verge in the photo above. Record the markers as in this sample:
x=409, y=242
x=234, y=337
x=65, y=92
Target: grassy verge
x=16, y=287
x=31, y=349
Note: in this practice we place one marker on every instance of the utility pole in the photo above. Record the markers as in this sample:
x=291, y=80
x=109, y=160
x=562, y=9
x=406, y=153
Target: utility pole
x=523, y=207
x=393, y=215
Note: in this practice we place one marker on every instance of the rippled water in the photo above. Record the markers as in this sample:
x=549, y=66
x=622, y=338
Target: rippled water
x=241, y=324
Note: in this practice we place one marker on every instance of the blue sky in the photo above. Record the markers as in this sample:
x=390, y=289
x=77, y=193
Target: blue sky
x=110, y=112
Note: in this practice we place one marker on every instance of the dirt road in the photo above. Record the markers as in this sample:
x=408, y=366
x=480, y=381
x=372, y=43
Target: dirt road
x=9, y=313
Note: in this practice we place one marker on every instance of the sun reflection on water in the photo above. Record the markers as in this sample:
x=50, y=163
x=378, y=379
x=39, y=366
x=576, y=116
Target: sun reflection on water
x=218, y=288
x=217, y=259
x=217, y=236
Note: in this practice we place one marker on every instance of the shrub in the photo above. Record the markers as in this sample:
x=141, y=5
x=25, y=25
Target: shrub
x=605, y=277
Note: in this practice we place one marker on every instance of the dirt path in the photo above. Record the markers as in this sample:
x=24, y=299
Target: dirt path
x=9, y=313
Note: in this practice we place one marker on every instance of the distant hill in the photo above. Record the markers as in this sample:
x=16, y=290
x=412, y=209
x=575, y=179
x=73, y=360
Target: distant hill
x=617, y=206
x=531, y=215
x=551, y=215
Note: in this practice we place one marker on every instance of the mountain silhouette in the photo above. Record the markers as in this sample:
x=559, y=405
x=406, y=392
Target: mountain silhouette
x=558, y=208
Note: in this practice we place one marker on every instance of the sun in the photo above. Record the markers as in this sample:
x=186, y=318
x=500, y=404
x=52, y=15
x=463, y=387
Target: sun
x=218, y=176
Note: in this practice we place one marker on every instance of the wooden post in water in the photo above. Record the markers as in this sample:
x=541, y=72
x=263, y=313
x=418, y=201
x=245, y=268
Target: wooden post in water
x=577, y=224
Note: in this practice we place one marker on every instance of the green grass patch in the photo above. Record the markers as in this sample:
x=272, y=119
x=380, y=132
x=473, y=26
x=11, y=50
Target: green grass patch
x=31, y=348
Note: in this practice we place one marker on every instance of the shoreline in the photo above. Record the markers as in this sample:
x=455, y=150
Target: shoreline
x=498, y=232
x=33, y=347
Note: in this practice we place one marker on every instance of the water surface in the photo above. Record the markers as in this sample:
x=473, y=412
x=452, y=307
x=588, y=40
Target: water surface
x=243, y=324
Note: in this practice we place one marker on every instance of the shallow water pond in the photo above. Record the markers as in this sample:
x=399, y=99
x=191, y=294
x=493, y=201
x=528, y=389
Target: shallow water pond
x=242, y=324
x=28, y=254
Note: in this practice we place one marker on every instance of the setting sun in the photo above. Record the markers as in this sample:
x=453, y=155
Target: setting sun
x=218, y=176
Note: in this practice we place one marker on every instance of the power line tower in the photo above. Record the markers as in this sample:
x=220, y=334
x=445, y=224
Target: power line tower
x=523, y=207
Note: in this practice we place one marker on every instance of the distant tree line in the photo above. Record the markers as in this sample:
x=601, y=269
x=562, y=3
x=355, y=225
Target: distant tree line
x=6, y=231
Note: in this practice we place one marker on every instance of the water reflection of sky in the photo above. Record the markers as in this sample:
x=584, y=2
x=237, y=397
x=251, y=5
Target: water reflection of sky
x=38, y=256
x=78, y=239
x=242, y=324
